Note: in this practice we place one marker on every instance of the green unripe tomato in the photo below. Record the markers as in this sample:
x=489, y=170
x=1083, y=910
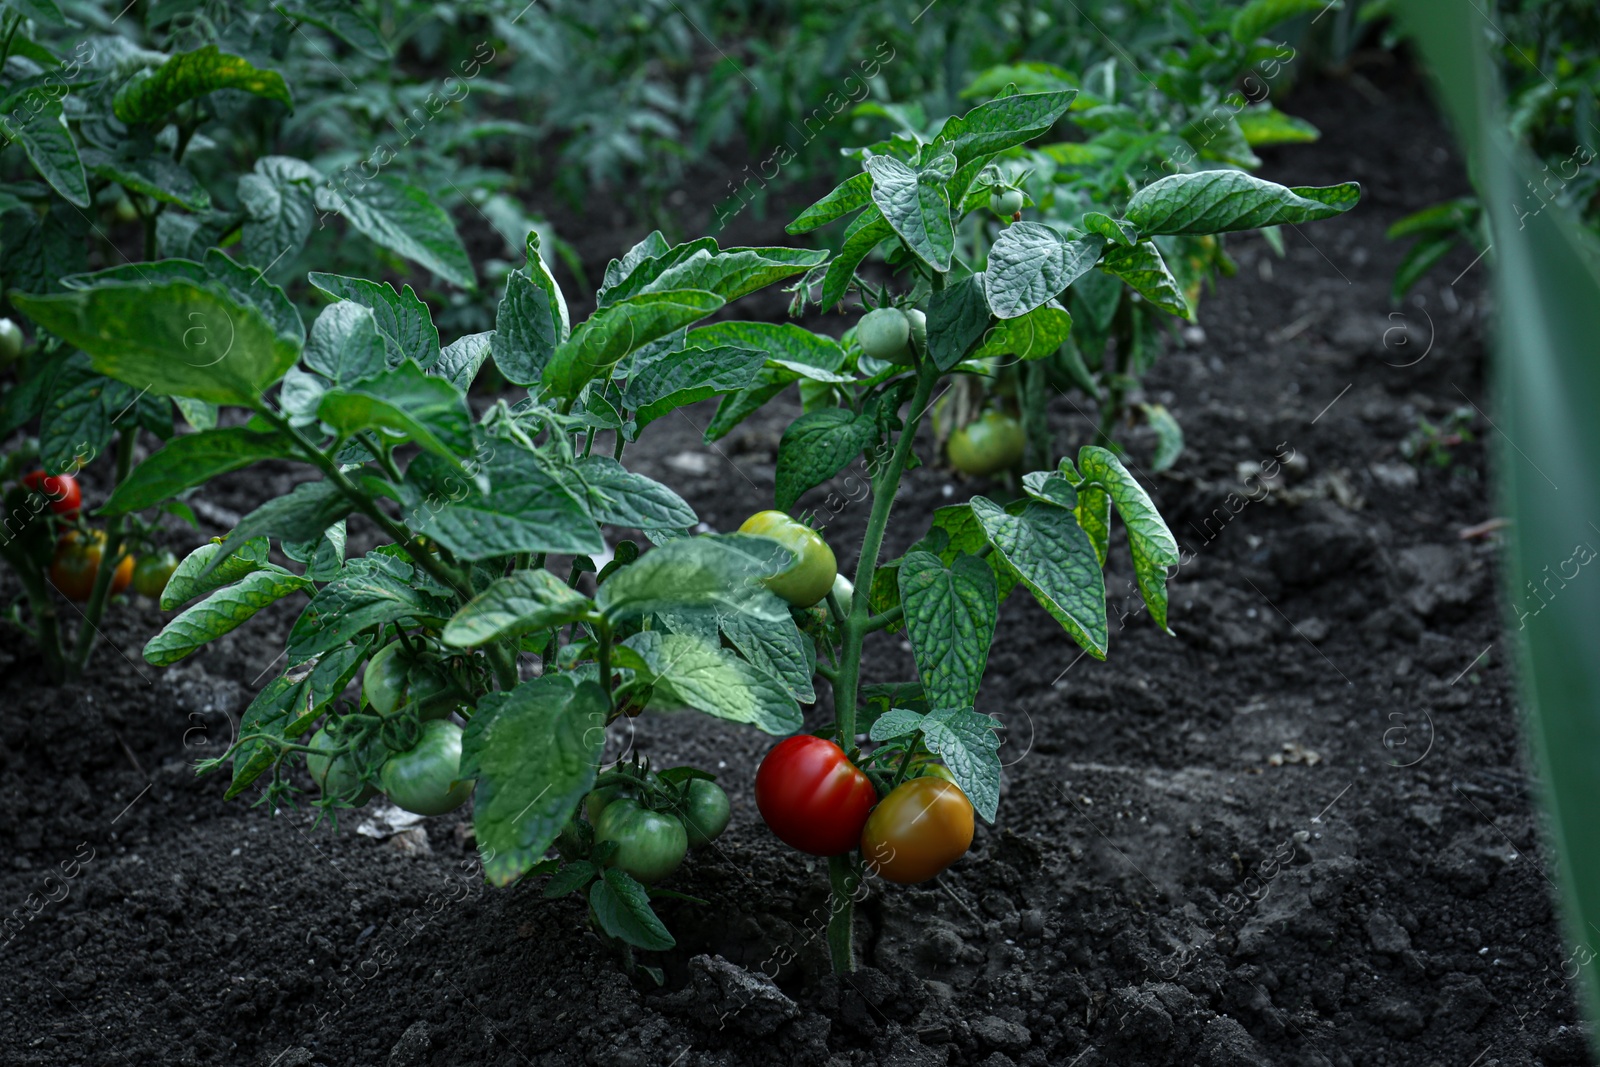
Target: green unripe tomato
x=650, y=844
x=811, y=575
x=993, y=443
x=125, y=211
x=152, y=572
x=425, y=779
x=10, y=341
x=705, y=813
x=1006, y=202
x=393, y=678
x=885, y=333
x=599, y=799
x=336, y=776
x=919, y=329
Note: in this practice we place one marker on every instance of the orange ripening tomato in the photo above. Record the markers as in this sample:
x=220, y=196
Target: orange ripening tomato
x=920, y=828
x=77, y=562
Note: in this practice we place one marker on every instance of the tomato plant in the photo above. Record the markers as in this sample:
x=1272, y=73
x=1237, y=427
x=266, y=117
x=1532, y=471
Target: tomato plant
x=483, y=600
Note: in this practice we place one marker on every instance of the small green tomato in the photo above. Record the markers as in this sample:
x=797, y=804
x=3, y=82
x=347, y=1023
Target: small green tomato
x=885, y=333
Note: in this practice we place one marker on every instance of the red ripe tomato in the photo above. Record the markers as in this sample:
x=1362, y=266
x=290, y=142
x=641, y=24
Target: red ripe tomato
x=62, y=489
x=77, y=563
x=813, y=797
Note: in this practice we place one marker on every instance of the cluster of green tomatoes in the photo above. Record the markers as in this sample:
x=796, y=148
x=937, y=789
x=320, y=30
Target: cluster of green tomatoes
x=991, y=443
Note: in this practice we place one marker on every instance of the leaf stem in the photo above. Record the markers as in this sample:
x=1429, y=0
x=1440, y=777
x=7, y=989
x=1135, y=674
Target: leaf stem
x=366, y=504
x=602, y=631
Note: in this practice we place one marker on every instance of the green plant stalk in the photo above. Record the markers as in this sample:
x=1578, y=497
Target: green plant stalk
x=504, y=664
x=366, y=504
x=843, y=877
x=110, y=556
x=845, y=688
x=602, y=632
x=1035, y=417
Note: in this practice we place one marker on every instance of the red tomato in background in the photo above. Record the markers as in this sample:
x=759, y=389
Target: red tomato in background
x=813, y=797
x=62, y=489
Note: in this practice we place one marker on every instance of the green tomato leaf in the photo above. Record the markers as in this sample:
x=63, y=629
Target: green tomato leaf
x=522, y=602
x=717, y=571
x=156, y=176
x=196, y=575
x=534, y=751
x=1031, y=264
x=1115, y=231
x=191, y=460
x=525, y=509
x=1259, y=16
x=1169, y=436
x=852, y=195
x=368, y=592
x=967, y=743
x=287, y=706
x=406, y=221
x=1054, y=559
x=222, y=611
x=686, y=671
x=1093, y=512
x=950, y=616
x=917, y=206
x=1143, y=268
x=175, y=338
x=48, y=144
x=1004, y=123
x=608, y=335
x=345, y=345
x=403, y=319
x=530, y=321
x=958, y=316
x=344, y=20
x=668, y=376
x=700, y=265
x=462, y=358
x=866, y=232
x=571, y=878
x=302, y=515
x=1221, y=201
x=770, y=641
x=151, y=94
x=75, y=421
x=422, y=407
x=1035, y=335
x=1153, y=546
x=616, y=496
x=622, y=907
x=816, y=446
x=1263, y=124
x=896, y=722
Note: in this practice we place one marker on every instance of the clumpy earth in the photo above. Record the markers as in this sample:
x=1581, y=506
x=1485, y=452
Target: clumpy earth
x=1298, y=832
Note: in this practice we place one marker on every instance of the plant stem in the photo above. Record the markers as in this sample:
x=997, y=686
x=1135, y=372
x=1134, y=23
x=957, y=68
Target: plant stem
x=884, y=484
x=887, y=619
x=843, y=875
x=504, y=664
x=366, y=505
x=843, y=878
x=110, y=556
x=602, y=632
x=43, y=607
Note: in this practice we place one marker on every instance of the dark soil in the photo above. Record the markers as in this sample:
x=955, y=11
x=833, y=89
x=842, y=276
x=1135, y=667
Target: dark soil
x=1299, y=832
